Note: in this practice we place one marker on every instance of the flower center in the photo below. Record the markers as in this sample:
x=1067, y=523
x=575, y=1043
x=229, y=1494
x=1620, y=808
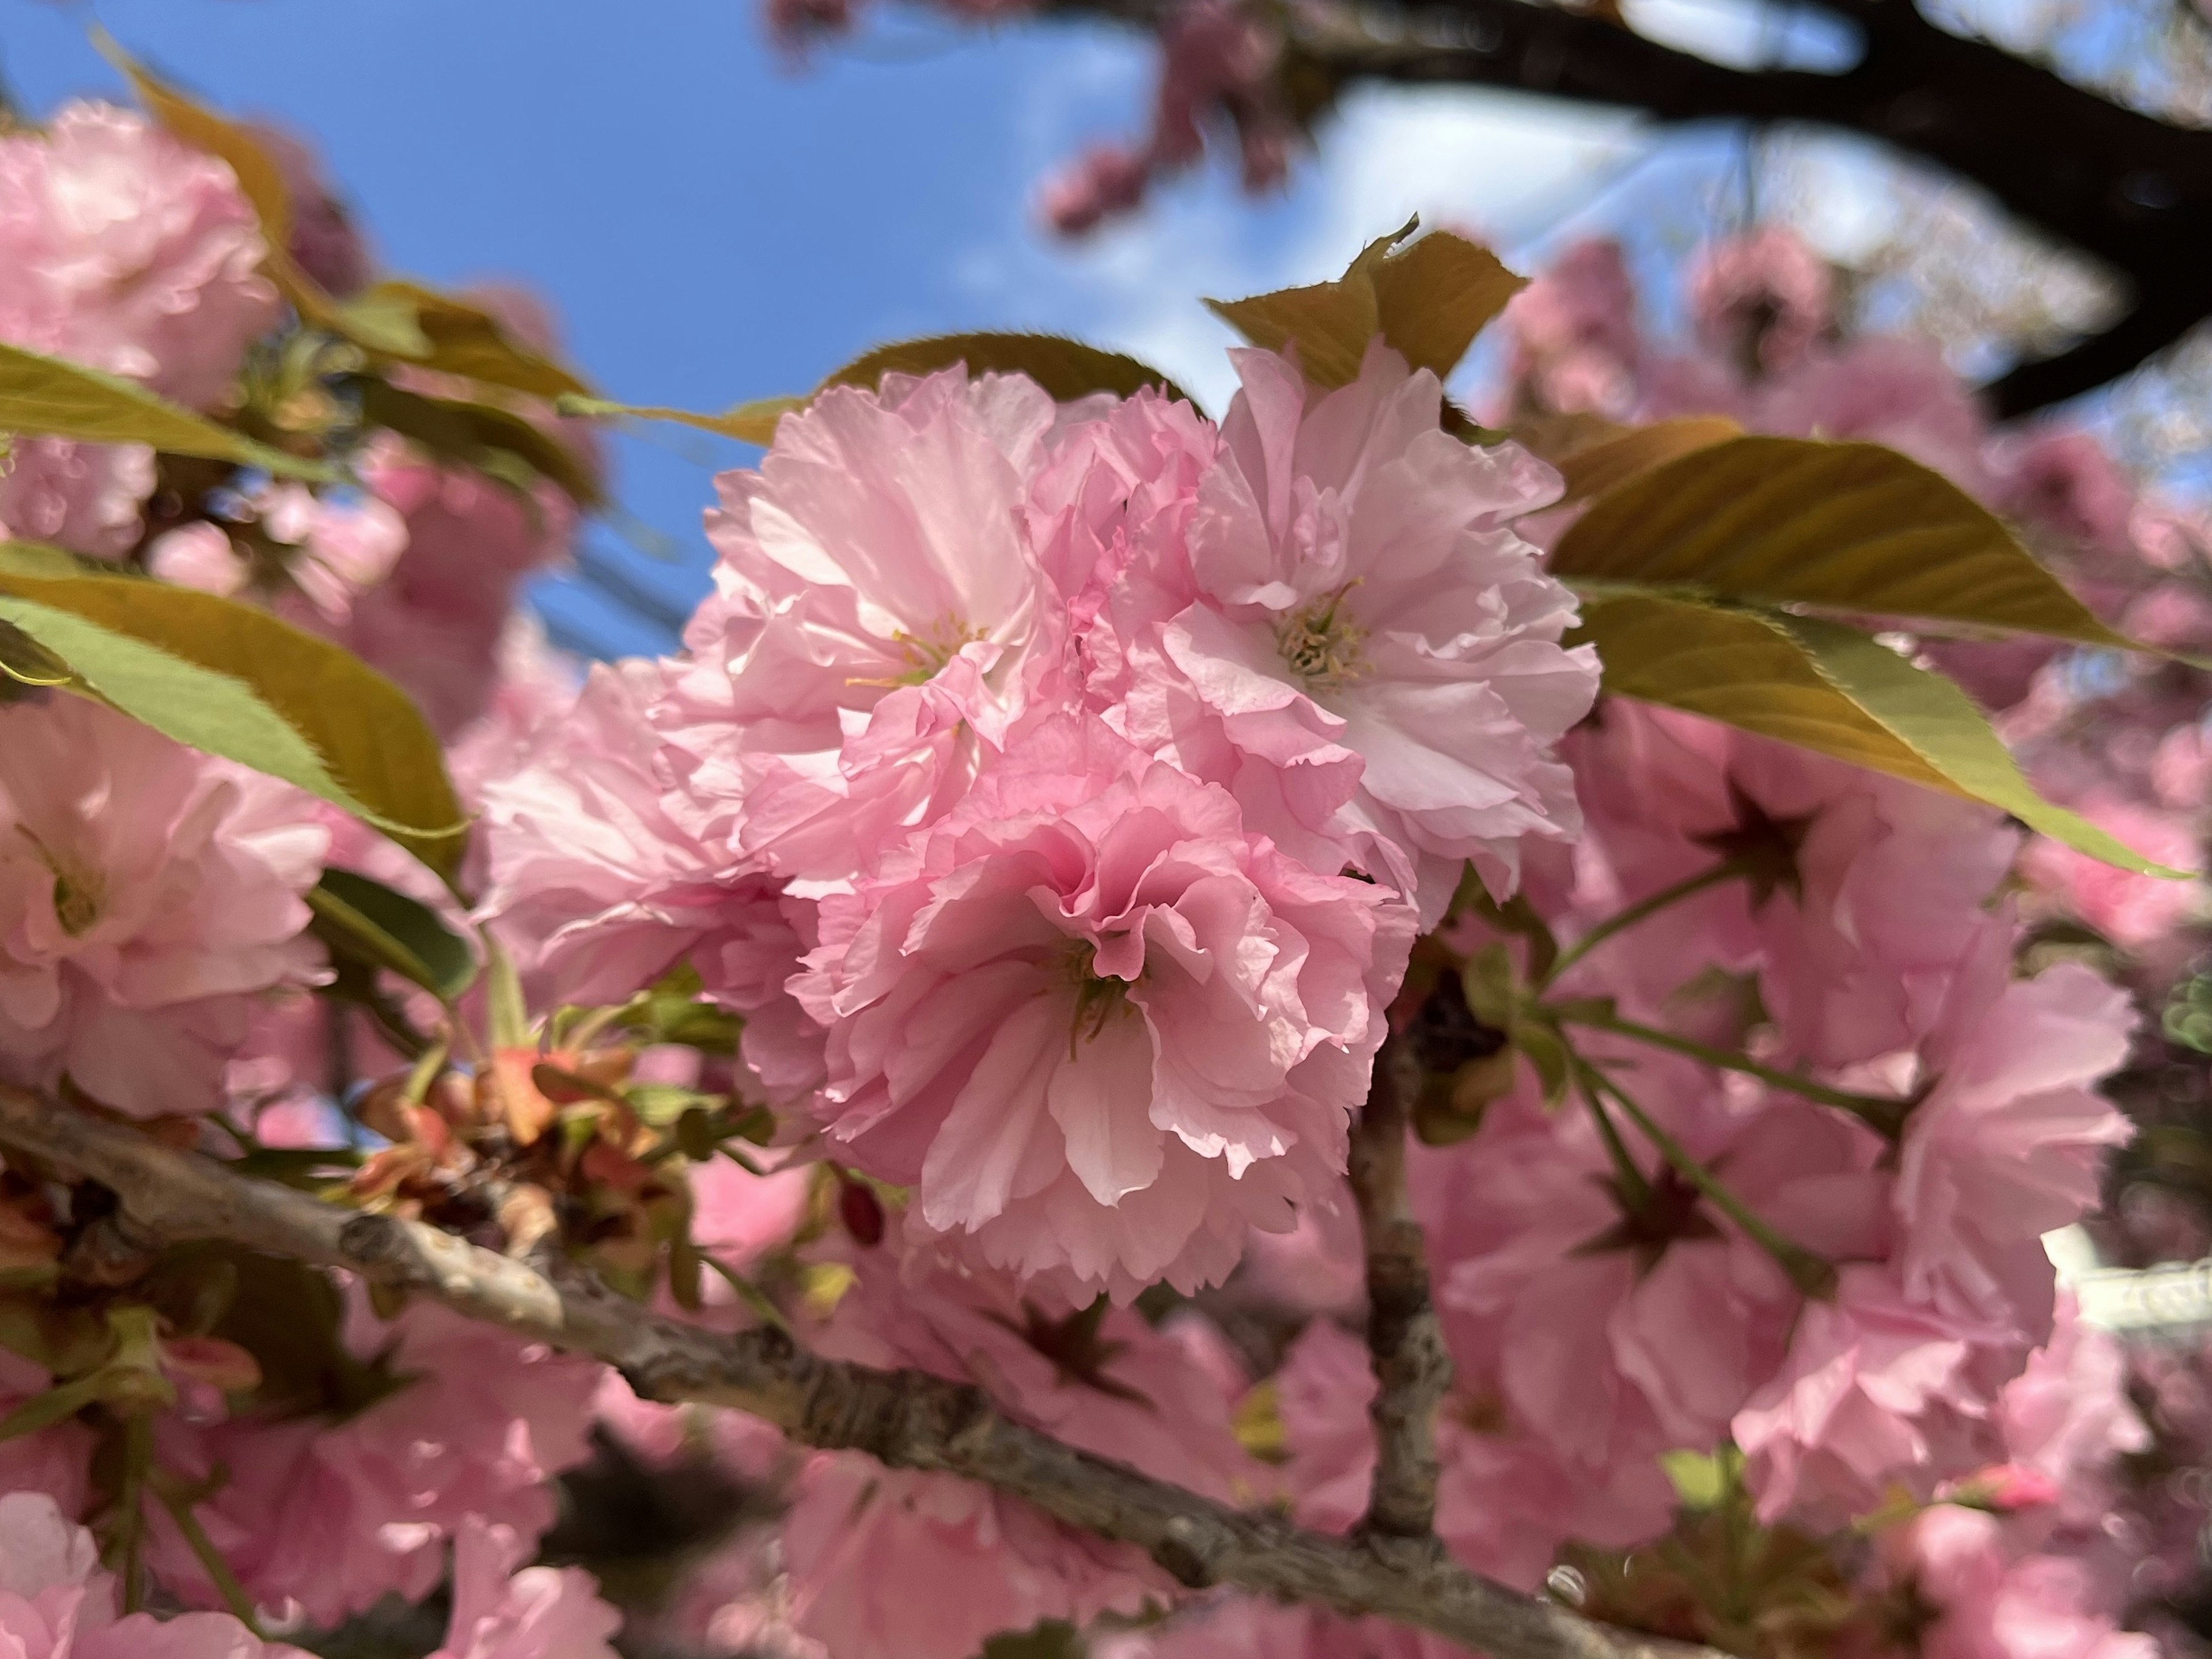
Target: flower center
x=1323, y=647
x=79, y=892
x=927, y=650
x=1099, y=998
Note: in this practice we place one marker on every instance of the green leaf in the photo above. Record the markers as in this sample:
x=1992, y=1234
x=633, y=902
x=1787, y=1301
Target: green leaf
x=1828, y=688
x=373, y=923
x=234, y=680
x=1068, y=369
x=56, y=399
x=461, y=338
x=1849, y=526
x=1429, y=299
x=483, y=436
x=754, y=422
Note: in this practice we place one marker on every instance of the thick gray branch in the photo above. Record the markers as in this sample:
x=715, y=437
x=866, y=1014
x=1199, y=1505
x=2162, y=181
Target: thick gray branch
x=1412, y=1366
x=906, y=1418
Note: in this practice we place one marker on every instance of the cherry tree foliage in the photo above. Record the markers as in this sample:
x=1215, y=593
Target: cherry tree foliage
x=1372, y=1025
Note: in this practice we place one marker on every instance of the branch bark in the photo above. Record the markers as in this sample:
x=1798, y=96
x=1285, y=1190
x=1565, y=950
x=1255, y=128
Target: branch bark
x=1412, y=1368
x=909, y=1419
x=2134, y=191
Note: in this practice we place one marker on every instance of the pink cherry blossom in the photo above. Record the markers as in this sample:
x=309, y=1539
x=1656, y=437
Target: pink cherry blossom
x=1506, y=1502
x=599, y=888
x=1992, y=1605
x=130, y=252
x=57, y=1602
x=2129, y=909
x=876, y=615
x=1576, y=348
x=1761, y=298
x=537, y=1612
x=1099, y=1027
x=84, y=498
x=327, y=1516
x=1356, y=598
x=2068, y=1420
x=886, y=1564
x=1248, y=1627
x=2008, y=1142
x=146, y=893
x=1877, y=1390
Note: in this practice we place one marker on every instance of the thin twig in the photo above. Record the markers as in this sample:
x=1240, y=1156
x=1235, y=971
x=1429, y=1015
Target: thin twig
x=907, y=1418
x=1413, y=1369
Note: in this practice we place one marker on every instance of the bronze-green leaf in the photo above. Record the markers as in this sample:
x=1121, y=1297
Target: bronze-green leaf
x=1429, y=299
x=1594, y=455
x=1068, y=369
x=754, y=422
x=58, y=398
x=234, y=680
x=378, y=926
x=1843, y=527
x=483, y=436
x=1825, y=687
x=465, y=339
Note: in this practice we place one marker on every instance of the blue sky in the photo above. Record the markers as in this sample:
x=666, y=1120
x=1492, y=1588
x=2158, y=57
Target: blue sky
x=712, y=223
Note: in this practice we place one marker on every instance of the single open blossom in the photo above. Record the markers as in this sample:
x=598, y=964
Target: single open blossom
x=1761, y=299
x=893, y=1565
x=58, y=1602
x=1986, y=1602
x=504, y=1610
x=1099, y=1027
x=1358, y=601
x=1506, y=1501
x=1877, y=1391
x=328, y=1515
x=600, y=888
x=130, y=250
x=2009, y=1141
x=146, y=893
x=875, y=614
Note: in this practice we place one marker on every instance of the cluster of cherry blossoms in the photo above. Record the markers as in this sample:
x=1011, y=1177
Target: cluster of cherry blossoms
x=973, y=953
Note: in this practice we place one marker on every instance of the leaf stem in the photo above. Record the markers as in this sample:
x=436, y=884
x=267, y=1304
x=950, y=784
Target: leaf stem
x=1688, y=887
x=1885, y=1115
x=1807, y=1272
x=203, y=1551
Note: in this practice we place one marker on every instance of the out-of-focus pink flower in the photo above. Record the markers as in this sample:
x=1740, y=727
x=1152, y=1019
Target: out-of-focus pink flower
x=1992, y=1604
x=2064, y=484
x=2130, y=910
x=1107, y=180
x=599, y=889
x=146, y=893
x=436, y=623
x=2008, y=1142
x=886, y=1564
x=343, y=547
x=877, y=618
x=1617, y=1325
x=1576, y=345
x=1506, y=1501
x=2066, y=1420
x=199, y=554
x=324, y=242
x=1096, y=1026
x=330, y=1515
x=1369, y=654
x=84, y=498
x=1761, y=298
x=57, y=1461
x=536, y=1612
x=1877, y=1389
x=1248, y=1627
x=130, y=252
x=57, y=1602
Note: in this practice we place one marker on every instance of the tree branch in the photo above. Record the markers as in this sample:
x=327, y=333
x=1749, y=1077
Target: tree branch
x=2132, y=191
x=907, y=1418
x=1412, y=1368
